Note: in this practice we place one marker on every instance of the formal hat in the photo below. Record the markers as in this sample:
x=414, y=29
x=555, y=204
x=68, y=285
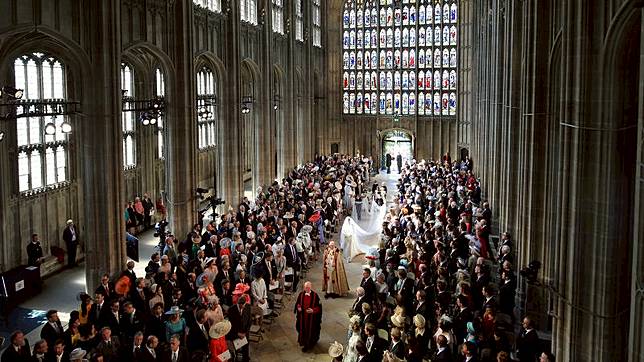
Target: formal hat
x=174, y=310
x=77, y=353
x=398, y=320
x=288, y=215
x=419, y=321
x=220, y=329
x=70, y=221
x=307, y=228
x=209, y=261
x=336, y=350
x=258, y=258
x=241, y=288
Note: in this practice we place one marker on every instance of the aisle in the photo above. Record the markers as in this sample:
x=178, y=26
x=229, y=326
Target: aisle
x=280, y=339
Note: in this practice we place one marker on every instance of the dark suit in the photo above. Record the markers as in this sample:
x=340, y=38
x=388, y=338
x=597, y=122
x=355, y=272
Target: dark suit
x=527, y=345
x=166, y=356
x=132, y=324
x=378, y=347
x=443, y=356
x=108, y=319
x=95, y=314
x=22, y=355
x=49, y=334
x=155, y=327
x=357, y=306
x=128, y=353
x=34, y=252
x=197, y=339
x=108, y=291
x=369, y=287
x=240, y=321
x=110, y=351
x=51, y=357
x=398, y=349
x=506, y=297
x=72, y=244
x=144, y=355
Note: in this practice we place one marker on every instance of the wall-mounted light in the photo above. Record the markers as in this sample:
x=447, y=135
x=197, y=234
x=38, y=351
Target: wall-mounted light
x=149, y=118
x=11, y=92
x=247, y=102
x=1, y=136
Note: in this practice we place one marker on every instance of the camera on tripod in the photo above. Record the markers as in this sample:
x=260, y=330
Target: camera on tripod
x=160, y=229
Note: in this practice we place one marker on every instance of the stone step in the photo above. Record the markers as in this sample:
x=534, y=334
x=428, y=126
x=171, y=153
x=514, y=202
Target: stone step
x=49, y=266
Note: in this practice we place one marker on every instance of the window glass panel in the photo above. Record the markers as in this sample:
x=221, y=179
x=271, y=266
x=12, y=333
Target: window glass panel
x=61, y=164
x=401, y=42
x=23, y=172
x=35, y=159
x=50, y=161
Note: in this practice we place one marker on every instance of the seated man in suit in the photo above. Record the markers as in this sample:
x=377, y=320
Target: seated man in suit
x=18, y=350
x=397, y=345
x=356, y=309
x=149, y=353
x=373, y=343
x=176, y=352
x=443, y=354
x=58, y=354
x=109, y=346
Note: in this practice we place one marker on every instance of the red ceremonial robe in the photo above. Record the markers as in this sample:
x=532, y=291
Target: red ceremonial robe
x=308, y=325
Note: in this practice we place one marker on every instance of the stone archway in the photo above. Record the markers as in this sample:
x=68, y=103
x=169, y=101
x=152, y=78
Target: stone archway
x=396, y=142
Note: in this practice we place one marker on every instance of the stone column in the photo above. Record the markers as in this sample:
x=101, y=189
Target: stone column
x=232, y=154
x=181, y=126
x=102, y=149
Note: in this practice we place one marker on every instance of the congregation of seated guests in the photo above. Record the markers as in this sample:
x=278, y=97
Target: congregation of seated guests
x=437, y=289
x=200, y=290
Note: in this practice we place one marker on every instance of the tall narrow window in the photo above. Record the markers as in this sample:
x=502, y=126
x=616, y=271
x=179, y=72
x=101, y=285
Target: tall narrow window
x=248, y=9
x=160, y=94
x=317, y=24
x=128, y=124
x=413, y=45
x=212, y=5
x=42, y=156
x=299, y=21
x=278, y=16
x=207, y=114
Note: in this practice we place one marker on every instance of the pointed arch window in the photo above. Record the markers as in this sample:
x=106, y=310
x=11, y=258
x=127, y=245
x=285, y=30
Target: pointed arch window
x=159, y=82
x=212, y=5
x=128, y=124
x=299, y=21
x=207, y=114
x=317, y=23
x=278, y=16
x=42, y=149
x=407, y=36
x=248, y=9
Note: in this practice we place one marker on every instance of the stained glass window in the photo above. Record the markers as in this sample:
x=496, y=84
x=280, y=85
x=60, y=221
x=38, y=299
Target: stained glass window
x=128, y=124
x=212, y=5
x=278, y=16
x=400, y=57
x=317, y=24
x=42, y=158
x=206, y=108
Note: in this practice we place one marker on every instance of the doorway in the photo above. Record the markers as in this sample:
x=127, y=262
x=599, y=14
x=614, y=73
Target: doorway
x=396, y=142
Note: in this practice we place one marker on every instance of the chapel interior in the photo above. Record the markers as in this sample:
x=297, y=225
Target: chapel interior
x=194, y=100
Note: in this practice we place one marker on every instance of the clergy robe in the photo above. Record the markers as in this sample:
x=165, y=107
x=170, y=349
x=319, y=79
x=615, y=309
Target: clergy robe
x=308, y=325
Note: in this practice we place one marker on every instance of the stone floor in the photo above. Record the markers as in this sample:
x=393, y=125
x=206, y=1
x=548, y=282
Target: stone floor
x=280, y=340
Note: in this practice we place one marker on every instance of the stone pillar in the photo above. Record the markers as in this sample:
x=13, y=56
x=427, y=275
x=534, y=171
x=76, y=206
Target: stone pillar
x=102, y=149
x=232, y=153
x=181, y=129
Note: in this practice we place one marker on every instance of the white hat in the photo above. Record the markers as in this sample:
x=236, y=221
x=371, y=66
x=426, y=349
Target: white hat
x=336, y=350
x=220, y=329
x=77, y=354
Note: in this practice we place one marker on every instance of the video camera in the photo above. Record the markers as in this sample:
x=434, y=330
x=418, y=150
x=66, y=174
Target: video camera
x=531, y=271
